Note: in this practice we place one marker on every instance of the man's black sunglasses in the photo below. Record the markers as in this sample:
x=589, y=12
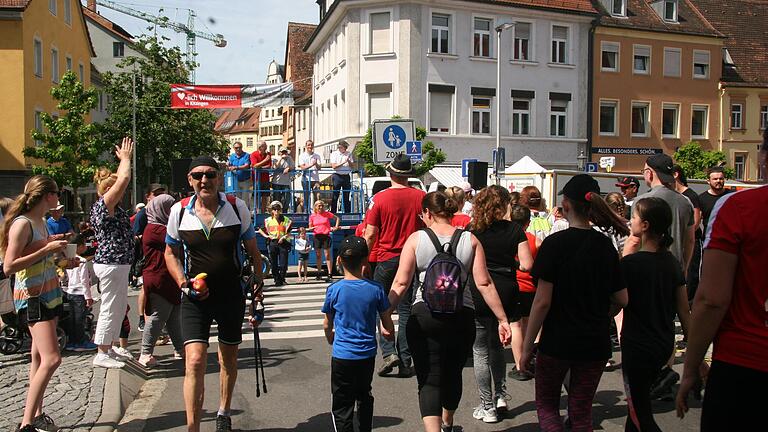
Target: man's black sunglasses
x=208, y=174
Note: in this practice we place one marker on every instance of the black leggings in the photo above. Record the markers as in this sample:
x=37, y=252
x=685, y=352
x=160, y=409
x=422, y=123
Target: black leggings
x=640, y=371
x=440, y=345
x=734, y=399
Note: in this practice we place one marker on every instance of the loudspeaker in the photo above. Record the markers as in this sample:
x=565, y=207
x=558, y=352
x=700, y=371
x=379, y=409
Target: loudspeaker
x=477, y=174
x=179, y=170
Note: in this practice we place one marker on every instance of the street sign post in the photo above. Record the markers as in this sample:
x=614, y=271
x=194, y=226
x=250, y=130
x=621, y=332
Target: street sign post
x=465, y=167
x=499, y=160
x=414, y=150
x=390, y=137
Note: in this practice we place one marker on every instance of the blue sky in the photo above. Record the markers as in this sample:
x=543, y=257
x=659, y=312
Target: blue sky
x=255, y=31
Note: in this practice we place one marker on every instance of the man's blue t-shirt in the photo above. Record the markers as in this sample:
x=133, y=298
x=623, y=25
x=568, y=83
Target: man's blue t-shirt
x=241, y=174
x=61, y=226
x=355, y=305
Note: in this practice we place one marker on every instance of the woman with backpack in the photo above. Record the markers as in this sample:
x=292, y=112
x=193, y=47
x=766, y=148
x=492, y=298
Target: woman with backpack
x=579, y=278
x=441, y=328
x=503, y=241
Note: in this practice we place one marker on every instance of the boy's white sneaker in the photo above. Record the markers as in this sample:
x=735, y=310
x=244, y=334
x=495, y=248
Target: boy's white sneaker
x=120, y=354
x=105, y=361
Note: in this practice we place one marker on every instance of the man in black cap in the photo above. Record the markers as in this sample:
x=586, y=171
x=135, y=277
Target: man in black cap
x=393, y=217
x=629, y=187
x=205, y=233
x=659, y=176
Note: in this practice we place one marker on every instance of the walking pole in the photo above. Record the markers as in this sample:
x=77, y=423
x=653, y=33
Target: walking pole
x=257, y=314
x=261, y=363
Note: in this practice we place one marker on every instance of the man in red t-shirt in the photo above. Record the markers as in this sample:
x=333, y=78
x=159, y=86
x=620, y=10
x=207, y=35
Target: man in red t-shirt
x=731, y=307
x=394, y=216
x=262, y=160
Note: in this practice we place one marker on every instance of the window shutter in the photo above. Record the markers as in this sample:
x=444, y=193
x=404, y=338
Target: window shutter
x=643, y=51
x=523, y=31
x=481, y=91
x=523, y=94
x=671, y=63
x=380, y=32
x=559, y=32
x=559, y=96
x=701, y=57
x=441, y=88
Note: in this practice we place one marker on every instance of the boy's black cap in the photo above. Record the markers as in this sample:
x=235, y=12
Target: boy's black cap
x=662, y=165
x=578, y=187
x=628, y=181
x=353, y=246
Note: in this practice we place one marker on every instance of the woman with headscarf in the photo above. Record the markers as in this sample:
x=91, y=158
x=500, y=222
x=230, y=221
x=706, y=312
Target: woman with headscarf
x=161, y=292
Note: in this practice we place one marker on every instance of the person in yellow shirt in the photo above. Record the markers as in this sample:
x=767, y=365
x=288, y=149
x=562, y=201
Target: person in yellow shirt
x=276, y=230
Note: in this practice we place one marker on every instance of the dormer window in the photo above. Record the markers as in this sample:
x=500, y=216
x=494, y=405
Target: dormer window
x=670, y=10
x=619, y=7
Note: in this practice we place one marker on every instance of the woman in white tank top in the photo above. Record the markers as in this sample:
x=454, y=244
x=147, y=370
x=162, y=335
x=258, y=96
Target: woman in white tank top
x=446, y=337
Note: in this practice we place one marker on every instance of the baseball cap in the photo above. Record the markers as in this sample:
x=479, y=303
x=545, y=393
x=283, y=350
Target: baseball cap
x=274, y=204
x=154, y=187
x=140, y=206
x=59, y=206
x=662, y=165
x=353, y=246
x=578, y=187
x=628, y=181
x=466, y=187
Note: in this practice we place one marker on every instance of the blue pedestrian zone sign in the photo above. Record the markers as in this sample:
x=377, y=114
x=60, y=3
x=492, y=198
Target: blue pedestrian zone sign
x=394, y=137
x=413, y=149
x=465, y=166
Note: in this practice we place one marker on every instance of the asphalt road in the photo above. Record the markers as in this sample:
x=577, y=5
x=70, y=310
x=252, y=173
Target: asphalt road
x=297, y=368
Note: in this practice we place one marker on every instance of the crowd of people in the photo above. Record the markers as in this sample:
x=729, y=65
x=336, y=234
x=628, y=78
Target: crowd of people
x=466, y=271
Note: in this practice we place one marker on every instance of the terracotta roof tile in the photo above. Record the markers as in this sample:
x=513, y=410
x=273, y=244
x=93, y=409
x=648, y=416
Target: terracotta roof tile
x=14, y=4
x=238, y=120
x=107, y=24
x=743, y=22
x=301, y=63
x=567, y=5
x=641, y=16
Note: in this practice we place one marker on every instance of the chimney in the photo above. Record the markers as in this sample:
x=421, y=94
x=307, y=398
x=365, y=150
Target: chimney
x=92, y=5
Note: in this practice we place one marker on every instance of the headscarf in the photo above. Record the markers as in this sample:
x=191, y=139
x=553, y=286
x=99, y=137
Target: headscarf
x=159, y=208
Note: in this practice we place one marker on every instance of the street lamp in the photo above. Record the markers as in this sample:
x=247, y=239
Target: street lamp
x=499, y=28
x=582, y=160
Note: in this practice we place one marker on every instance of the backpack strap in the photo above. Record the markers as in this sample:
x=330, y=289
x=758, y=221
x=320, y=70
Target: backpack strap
x=233, y=202
x=455, y=238
x=435, y=241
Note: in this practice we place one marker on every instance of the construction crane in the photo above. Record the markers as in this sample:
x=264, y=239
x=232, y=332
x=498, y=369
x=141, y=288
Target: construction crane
x=188, y=29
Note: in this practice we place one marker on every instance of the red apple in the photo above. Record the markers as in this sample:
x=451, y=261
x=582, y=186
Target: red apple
x=199, y=284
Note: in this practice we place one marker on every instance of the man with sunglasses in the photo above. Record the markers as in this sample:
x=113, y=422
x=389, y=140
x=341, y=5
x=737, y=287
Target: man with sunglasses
x=629, y=187
x=205, y=233
x=240, y=164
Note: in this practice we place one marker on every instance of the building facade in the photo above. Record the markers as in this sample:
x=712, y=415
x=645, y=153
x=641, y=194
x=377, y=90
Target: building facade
x=240, y=125
x=297, y=118
x=744, y=82
x=436, y=63
x=41, y=41
x=656, y=69
x=271, y=119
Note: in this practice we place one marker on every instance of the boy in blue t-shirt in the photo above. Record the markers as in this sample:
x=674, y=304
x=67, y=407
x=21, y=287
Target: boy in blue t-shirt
x=350, y=308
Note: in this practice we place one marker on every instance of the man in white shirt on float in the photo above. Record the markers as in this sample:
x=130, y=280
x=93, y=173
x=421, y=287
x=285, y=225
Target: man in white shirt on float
x=309, y=164
x=341, y=162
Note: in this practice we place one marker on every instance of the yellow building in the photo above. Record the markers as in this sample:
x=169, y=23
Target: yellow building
x=39, y=41
x=744, y=83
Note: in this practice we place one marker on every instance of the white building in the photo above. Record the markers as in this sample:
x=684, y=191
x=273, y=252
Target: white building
x=436, y=63
x=271, y=119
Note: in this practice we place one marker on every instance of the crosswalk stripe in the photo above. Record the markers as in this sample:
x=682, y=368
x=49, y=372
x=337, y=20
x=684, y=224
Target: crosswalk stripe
x=284, y=299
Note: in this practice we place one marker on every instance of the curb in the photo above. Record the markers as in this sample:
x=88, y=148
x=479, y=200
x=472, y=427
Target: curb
x=121, y=387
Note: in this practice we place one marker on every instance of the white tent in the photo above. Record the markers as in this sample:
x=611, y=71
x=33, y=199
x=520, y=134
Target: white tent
x=525, y=165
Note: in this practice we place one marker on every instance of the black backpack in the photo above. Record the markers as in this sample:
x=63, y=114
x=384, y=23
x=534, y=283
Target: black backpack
x=444, y=281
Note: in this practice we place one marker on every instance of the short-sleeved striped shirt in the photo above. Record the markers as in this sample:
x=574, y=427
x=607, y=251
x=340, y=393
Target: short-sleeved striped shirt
x=38, y=279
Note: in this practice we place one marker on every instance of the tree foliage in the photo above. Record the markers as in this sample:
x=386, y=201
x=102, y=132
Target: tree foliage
x=431, y=155
x=68, y=143
x=695, y=161
x=163, y=133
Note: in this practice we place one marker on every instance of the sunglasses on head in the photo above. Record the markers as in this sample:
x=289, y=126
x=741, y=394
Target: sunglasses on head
x=208, y=174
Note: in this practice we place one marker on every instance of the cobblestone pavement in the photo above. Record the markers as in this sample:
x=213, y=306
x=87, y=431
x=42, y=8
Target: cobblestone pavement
x=73, y=398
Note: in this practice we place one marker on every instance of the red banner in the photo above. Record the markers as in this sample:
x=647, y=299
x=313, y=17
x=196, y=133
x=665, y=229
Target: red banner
x=209, y=96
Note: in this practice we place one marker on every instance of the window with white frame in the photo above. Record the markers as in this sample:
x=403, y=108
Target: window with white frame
x=670, y=10
x=54, y=65
x=53, y=7
x=609, y=56
x=118, y=49
x=699, y=119
x=81, y=72
x=249, y=142
x=380, y=33
x=764, y=116
x=737, y=112
x=69, y=63
x=641, y=62
x=522, y=45
x=640, y=119
x=700, y=64
x=481, y=42
x=618, y=7
x=670, y=120
x=441, y=33
x=521, y=117
x=440, y=108
x=68, y=11
x=38, y=124
x=482, y=98
x=740, y=165
x=609, y=118
x=38, y=54
x=559, y=44
x=672, y=62
x=379, y=104
x=558, y=113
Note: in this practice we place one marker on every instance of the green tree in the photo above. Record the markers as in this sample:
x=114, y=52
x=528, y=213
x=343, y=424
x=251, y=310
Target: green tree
x=695, y=161
x=162, y=134
x=431, y=155
x=68, y=143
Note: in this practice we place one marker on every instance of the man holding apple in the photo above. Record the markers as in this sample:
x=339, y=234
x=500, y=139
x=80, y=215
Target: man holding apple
x=204, y=255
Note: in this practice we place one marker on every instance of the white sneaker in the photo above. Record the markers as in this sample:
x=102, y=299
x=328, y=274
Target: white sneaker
x=105, y=361
x=120, y=354
x=178, y=355
x=486, y=415
x=501, y=402
x=147, y=360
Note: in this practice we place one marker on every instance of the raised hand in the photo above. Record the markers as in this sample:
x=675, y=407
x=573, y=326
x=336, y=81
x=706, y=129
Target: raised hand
x=125, y=149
